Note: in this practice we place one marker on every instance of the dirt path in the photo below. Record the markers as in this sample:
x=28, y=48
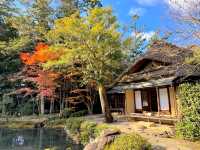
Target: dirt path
x=154, y=133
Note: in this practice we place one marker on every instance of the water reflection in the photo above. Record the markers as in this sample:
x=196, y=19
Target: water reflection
x=35, y=139
x=19, y=140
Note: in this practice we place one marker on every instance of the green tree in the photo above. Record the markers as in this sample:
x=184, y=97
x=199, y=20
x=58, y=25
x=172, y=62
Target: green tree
x=69, y=7
x=66, y=8
x=35, y=20
x=96, y=42
x=6, y=10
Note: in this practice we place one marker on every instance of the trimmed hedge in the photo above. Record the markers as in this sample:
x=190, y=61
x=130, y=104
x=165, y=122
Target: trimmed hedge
x=189, y=125
x=67, y=112
x=79, y=113
x=130, y=141
x=74, y=125
x=85, y=130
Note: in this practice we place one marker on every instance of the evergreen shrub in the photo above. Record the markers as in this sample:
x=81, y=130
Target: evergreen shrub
x=189, y=104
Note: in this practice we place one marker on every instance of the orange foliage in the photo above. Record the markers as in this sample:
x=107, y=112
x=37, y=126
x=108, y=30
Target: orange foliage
x=41, y=55
x=46, y=80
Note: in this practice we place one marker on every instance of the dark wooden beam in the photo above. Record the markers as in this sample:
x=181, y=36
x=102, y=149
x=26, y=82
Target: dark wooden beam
x=158, y=100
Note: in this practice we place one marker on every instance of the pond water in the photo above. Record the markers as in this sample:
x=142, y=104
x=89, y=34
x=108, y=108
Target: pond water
x=36, y=139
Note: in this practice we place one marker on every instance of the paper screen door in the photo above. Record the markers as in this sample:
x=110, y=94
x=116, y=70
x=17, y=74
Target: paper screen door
x=138, y=100
x=164, y=99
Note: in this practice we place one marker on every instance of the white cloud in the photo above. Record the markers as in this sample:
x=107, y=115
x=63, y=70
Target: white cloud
x=148, y=35
x=137, y=11
x=185, y=6
x=145, y=35
x=148, y=2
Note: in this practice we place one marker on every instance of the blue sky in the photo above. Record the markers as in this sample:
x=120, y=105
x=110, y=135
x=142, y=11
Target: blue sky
x=154, y=14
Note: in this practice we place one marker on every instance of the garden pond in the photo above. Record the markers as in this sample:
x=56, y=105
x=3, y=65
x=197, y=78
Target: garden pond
x=36, y=139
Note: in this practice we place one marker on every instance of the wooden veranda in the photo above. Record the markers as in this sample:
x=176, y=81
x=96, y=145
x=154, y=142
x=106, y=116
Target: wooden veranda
x=166, y=119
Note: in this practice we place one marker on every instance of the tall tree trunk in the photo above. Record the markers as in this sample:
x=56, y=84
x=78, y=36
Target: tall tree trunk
x=42, y=105
x=104, y=104
x=60, y=102
x=51, y=106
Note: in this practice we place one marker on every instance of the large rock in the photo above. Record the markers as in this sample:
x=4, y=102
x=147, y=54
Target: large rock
x=108, y=133
x=91, y=146
x=107, y=137
x=166, y=134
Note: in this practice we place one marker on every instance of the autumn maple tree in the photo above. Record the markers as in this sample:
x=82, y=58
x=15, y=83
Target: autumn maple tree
x=44, y=79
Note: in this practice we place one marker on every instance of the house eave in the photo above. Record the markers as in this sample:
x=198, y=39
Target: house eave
x=148, y=84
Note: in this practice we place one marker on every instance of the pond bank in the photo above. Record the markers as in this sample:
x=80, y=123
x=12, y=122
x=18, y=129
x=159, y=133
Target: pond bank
x=156, y=134
x=24, y=122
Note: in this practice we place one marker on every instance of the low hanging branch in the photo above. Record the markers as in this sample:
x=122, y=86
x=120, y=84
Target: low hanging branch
x=78, y=93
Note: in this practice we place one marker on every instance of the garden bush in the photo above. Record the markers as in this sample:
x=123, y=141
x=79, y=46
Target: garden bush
x=74, y=124
x=85, y=130
x=189, y=104
x=130, y=141
x=67, y=112
x=56, y=123
x=79, y=113
x=100, y=128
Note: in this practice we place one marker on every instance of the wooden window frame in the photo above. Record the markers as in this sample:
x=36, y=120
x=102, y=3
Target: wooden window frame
x=162, y=112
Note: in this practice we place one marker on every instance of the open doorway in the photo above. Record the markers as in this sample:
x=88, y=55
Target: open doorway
x=153, y=99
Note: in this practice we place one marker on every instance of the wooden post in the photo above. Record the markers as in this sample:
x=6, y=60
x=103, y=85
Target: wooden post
x=158, y=100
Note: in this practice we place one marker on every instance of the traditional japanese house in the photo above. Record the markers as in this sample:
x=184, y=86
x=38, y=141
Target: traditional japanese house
x=150, y=84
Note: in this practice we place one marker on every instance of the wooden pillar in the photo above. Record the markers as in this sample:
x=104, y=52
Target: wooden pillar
x=158, y=100
x=173, y=101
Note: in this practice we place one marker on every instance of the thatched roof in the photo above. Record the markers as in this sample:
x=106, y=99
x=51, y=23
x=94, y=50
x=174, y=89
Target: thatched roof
x=172, y=64
x=164, y=52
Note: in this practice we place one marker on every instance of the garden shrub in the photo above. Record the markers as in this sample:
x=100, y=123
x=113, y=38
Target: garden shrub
x=74, y=124
x=59, y=122
x=79, y=113
x=67, y=112
x=91, y=130
x=130, y=141
x=100, y=128
x=85, y=130
x=189, y=103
